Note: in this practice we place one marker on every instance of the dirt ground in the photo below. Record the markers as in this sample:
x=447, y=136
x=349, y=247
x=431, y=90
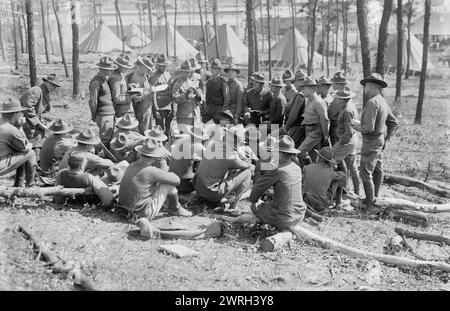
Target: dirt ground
x=113, y=254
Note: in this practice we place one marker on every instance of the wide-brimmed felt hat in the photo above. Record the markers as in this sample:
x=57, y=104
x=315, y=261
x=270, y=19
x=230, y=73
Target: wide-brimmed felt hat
x=375, y=78
x=161, y=59
x=120, y=142
x=326, y=153
x=252, y=132
x=344, y=93
x=87, y=137
x=324, y=80
x=145, y=61
x=197, y=131
x=59, y=126
x=227, y=114
x=186, y=66
x=216, y=64
x=52, y=79
x=287, y=145
x=115, y=173
x=128, y=121
x=309, y=81
x=232, y=66
x=300, y=75
x=340, y=77
x=200, y=58
x=269, y=144
x=151, y=148
x=277, y=81
x=124, y=61
x=106, y=63
x=194, y=64
x=259, y=77
x=156, y=133
x=288, y=75
x=12, y=105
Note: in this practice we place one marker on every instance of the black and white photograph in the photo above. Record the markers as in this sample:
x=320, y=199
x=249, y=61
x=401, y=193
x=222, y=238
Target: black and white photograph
x=219, y=152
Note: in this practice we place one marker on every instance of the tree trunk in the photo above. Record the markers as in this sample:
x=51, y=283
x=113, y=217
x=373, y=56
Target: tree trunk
x=2, y=42
x=150, y=21
x=255, y=41
x=268, y=39
x=49, y=30
x=167, y=28
x=398, y=84
x=344, y=39
x=322, y=52
x=382, y=36
x=175, y=34
x=61, y=39
x=312, y=37
x=251, y=51
x=116, y=5
x=422, y=236
x=208, y=37
x=337, y=34
x=139, y=6
x=328, y=39
x=411, y=182
x=21, y=36
x=216, y=37
x=294, y=45
x=15, y=35
x=408, y=43
x=25, y=28
x=94, y=11
x=117, y=24
x=31, y=55
x=361, y=11
x=44, y=33
x=276, y=241
x=261, y=24
x=75, y=6
x=202, y=25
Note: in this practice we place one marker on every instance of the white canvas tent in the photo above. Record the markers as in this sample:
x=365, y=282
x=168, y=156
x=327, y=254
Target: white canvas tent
x=230, y=47
x=102, y=40
x=184, y=49
x=283, y=50
x=415, y=62
x=134, y=37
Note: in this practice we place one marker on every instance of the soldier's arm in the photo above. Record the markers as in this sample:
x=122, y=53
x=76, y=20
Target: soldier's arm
x=93, y=98
x=116, y=92
x=239, y=99
x=348, y=129
x=321, y=110
x=30, y=101
x=391, y=123
x=369, y=117
x=263, y=183
x=18, y=141
x=245, y=106
x=297, y=102
x=226, y=96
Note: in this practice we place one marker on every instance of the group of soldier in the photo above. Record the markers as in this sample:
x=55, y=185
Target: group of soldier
x=197, y=130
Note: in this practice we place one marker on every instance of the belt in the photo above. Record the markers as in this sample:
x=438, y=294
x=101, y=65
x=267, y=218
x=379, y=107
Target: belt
x=315, y=124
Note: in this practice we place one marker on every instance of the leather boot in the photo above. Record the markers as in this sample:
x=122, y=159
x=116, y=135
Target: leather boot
x=20, y=176
x=377, y=180
x=175, y=208
x=30, y=173
x=368, y=190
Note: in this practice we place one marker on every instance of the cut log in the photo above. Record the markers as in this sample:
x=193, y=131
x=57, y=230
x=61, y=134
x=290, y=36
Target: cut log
x=423, y=236
x=387, y=259
x=37, y=192
x=409, y=216
x=401, y=204
x=313, y=215
x=276, y=241
x=411, y=182
x=58, y=265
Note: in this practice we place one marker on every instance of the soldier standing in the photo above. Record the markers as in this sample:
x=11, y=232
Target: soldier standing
x=118, y=85
x=100, y=101
x=217, y=93
x=256, y=100
x=236, y=92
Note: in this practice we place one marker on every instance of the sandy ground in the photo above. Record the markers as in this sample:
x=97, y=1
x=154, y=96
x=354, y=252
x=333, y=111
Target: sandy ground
x=111, y=251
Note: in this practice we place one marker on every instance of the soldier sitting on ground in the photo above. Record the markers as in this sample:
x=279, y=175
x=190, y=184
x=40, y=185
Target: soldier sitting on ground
x=75, y=177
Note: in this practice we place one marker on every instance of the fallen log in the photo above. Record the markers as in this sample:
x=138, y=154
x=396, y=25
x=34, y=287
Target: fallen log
x=58, y=265
x=276, y=241
x=401, y=204
x=313, y=215
x=412, y=182
x=387, y=259
x=37, y=192
x=423, y=236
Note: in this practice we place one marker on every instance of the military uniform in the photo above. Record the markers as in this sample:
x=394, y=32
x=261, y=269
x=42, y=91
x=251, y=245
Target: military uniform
x=217, y=97
x=102, y=109
x=142, y=106
x=188, y=103
x=121, y=102
x=162, y=101
x=253, y=100
x=236, y=97
x=294, y=126
x=37, y=100
x=289, y=94
x=277, y=107
x=377, y=122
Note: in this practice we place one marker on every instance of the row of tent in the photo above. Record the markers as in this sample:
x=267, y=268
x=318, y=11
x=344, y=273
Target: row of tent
x=104, y=40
